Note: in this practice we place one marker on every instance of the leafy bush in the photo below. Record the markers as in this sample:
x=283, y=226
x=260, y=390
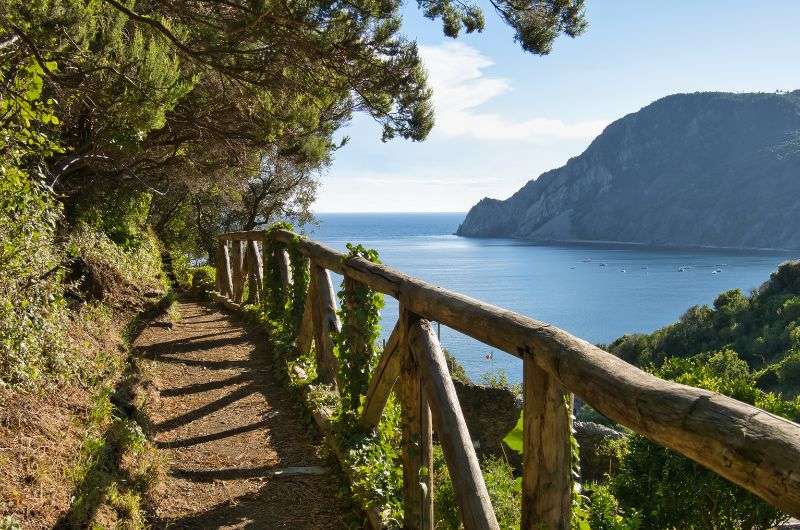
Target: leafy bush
x=602, y=510
x=203, y=278
x=32, y=311
x=499, y=379
x=504, y=492
x=671, y=491
x=138, y=265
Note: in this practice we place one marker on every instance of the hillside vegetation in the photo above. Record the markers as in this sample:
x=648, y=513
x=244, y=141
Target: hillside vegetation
x=746, y=347
x=704, y=169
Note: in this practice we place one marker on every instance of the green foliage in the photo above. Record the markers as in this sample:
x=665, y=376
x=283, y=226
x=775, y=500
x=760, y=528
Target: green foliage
x=121, y=216
x=138, y=266
x=760, y=328
x=8, y=522
x=455, y=368
x=672, y=491
x=275, y=300
x=300, y=282
x=355, y=344
x=603, y=511
x=32, y=313
x=499, y=379
x=116, y=466
x=203, y=278
x=374, y=459
x=504, y=492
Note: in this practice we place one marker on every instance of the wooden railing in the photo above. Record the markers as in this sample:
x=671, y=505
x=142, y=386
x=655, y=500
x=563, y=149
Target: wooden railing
x=748, y=446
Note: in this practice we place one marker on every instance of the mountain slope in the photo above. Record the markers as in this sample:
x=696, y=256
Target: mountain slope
x=714, y=169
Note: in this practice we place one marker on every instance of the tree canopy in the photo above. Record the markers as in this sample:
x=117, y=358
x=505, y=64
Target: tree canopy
x=225, y=111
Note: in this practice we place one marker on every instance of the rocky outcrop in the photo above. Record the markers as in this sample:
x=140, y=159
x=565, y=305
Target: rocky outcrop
x=704, y=169
x=490, y=413
x=596, y=460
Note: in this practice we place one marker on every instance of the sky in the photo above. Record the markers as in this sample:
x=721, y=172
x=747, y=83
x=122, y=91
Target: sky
x=504, y=116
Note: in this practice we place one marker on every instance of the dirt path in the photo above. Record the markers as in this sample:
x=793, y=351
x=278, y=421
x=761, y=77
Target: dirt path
x=239, y=451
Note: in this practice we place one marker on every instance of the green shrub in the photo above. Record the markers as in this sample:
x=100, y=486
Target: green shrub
x=788, y=369
x=203, y=278
x=671, y=491
x=32, y=312
x=504, y=492
x=499, y=379
x=456, y=368
x=138, y=266
x=603, y=511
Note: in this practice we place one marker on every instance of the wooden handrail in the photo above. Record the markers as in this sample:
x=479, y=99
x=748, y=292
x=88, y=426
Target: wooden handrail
x=750, y=447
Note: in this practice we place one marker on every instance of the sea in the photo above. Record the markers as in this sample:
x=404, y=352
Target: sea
x=595, y=291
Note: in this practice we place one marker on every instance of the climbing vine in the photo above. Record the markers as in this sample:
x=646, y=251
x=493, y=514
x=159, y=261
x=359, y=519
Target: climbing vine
x=300, y=280
x=274, y=300
x=360, y=316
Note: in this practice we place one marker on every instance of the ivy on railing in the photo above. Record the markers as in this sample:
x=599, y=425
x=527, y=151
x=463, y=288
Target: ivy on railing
x=274, y=292
x=359, y=312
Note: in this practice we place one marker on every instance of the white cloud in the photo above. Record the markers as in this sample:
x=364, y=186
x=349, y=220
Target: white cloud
x=455, y=73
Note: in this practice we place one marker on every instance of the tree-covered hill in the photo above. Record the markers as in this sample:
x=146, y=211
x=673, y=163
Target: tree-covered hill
x=704, y=169
x=761, y=329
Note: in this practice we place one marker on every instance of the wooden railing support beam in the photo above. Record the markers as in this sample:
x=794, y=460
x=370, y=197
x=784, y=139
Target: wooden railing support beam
x=238, y=268
x=417, y=445
x=224, y=279
x=326, y=321
x=255, y=272
x=748, y=446
x=547, y=455
x=471, y=494
x=384, y=377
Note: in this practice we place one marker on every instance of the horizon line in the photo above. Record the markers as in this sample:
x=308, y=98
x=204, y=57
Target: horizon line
x=387, y=212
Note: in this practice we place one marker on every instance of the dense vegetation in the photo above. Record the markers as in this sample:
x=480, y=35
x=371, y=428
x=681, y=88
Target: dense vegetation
x=745, y=347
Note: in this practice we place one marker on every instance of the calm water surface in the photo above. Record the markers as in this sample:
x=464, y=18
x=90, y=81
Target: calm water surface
x=597, y=292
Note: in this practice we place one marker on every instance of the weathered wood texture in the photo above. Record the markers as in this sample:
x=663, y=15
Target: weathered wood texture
x=746, y=445
x=471, y=494
x=383, y=378
x=226, y=302
x=238, y=269
x=547, y=461
x=285, y=267
x=417, y=447
x=326, y=321
x=224, y=279
x=250, y=235
x=305, y=334
x=255, y=272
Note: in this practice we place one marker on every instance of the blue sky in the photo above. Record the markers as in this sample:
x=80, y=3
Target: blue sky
x=505, y=116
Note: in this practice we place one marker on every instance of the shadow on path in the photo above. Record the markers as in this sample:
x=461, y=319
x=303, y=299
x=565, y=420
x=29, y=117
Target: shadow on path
x=227, y=428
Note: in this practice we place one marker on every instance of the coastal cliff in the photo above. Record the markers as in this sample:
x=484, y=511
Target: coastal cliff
x=703, y=169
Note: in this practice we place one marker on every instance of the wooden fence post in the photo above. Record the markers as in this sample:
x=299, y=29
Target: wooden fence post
x=462, y=462
x=285, y=267
x=305, y=332
x=547, y=459
x=255, y=276
x=323, y=314
x=224, y=279
x=417, y=441
x=237, y=257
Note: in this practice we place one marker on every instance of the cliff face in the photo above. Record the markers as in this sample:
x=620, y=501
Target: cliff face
x=712, y=169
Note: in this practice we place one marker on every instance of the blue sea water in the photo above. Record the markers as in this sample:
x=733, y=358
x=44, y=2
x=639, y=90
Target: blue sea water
x=597, y=292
